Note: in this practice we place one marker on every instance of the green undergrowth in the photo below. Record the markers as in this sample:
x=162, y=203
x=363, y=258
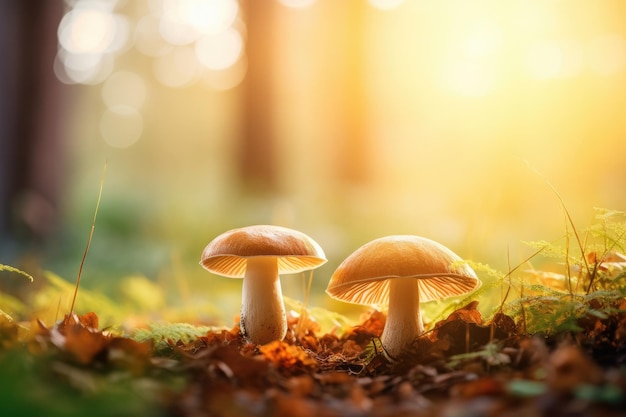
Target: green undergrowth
x=8, y=302
x=580, y=275
x=161, y=334
x=586, y=279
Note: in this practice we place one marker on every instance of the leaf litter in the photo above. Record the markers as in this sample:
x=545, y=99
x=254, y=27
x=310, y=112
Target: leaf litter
x=464, y=366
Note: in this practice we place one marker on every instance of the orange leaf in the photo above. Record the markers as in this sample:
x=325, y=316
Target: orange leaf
x=84, y=344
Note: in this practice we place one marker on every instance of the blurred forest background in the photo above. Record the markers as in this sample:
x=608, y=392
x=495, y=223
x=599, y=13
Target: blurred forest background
x=347, y=120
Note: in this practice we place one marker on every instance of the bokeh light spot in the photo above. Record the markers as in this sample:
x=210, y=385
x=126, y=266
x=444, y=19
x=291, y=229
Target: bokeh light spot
x=184, y=21
x=178, y=68
x=211, y=16
x=82, y=68
x=89, y=35
x=219, y=51
x=148, y=40
x=85, y=30
x=174, y=25
x=124, y=88
x=227, y=78
x=297, y=4
x=121, y=126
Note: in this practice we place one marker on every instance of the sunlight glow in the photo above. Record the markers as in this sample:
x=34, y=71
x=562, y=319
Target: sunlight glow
x=297, y=4
x=555, y=59
x=219, y=51
x=211, y=16
x=482, y=41
x=185, y=37
x=544, y=60
x=533, y=18
x=228, y=78
x=471, y=65
x=179, y=68
x=469, y=78
x=88, y=35
x=386, y=4
x=124, y=88
x=80, y=62
x=86, y=30
x=147, y=37
x=82, y=68
x=204, y=26
x=398, y=116
x=121, y=126
x=175, y=29
x=184, y=21
x=607, y=54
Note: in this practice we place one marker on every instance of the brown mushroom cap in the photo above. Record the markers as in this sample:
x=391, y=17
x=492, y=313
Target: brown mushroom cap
x=363, y=277
x=295, y=251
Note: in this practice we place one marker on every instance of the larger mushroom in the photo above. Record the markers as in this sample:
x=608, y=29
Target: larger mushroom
x=258, y=254
x=401, y=271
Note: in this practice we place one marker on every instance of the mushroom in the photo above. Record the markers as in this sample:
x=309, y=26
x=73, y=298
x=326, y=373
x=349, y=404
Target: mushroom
x=401, y=271
x=258, y=254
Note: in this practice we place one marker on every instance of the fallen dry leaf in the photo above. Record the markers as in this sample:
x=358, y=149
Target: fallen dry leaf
x=331, y=375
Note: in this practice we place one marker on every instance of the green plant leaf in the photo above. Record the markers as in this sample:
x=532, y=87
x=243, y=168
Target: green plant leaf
x=325, y=318
x=609, y=394
x=526, y=388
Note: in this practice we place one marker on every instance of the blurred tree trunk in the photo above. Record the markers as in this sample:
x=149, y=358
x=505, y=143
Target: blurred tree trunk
x=30, y=143
x=353, y=152
x=257, y=147
x=343, y=33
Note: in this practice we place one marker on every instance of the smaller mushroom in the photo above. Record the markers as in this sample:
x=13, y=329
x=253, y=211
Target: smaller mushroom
x=401, y=271
x=258, y=254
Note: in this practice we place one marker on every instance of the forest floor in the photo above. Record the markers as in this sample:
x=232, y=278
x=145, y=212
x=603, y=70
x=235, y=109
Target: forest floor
x=557, y=347
x=463, y=366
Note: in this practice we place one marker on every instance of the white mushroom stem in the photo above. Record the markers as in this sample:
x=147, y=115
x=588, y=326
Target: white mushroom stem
x=263, y=318
x=404, y=321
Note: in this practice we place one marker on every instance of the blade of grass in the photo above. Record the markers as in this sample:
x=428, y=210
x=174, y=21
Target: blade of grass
x=93, y=226
x=569, y=220
x=303, y=312
x=510, y=272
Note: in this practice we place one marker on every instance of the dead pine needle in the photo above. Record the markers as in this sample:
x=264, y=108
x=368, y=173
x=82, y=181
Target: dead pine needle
x=93, y=226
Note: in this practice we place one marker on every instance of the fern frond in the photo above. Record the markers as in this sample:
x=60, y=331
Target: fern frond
x=9, y=268
x=160, y=333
